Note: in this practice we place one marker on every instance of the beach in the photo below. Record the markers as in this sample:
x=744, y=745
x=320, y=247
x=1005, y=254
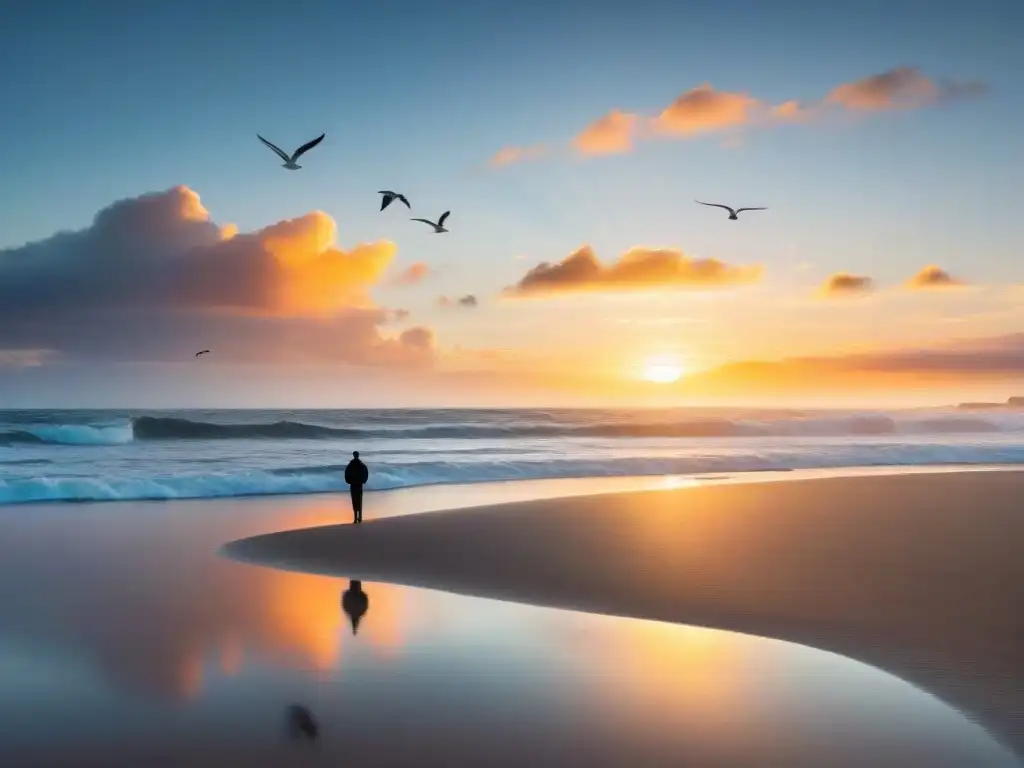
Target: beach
x=918, y=575
x=128, y=638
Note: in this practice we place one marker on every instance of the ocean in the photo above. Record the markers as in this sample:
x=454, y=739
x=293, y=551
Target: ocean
x=59, y=455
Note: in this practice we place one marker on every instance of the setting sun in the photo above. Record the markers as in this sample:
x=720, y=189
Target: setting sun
x=662, y=369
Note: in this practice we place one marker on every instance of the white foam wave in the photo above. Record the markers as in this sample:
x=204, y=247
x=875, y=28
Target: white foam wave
x=387, y=476
x=80, y=434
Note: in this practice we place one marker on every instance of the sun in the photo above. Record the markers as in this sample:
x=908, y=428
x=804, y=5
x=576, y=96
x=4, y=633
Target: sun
x=662, y=369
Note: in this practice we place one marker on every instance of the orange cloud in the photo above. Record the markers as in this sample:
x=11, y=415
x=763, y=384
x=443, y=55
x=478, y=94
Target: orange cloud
x=612, y=134
x=153, y=274
x=954, y=363
x=792, y=111
x=900, y=88
x=845, y=284
x=637, y=269
x=934, y=277
x=510, y=155
x=704, y=109
x=414, y=273
x=306, y=273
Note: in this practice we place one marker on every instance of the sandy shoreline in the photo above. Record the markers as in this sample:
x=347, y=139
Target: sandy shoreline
x=922, y=575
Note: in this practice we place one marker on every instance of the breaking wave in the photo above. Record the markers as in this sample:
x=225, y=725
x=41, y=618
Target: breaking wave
x=171, y=428
x=328, y=478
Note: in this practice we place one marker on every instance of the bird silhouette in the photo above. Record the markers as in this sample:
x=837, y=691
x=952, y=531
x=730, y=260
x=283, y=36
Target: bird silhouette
x=202, y=352
x=390, y=197
x=733, y=212
x=301, y=723
x=289, y=161
x=439, y=225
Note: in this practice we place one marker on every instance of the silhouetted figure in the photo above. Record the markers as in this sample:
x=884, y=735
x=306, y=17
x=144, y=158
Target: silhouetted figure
x=356, y=475
x=301, y=723
x=355, y=603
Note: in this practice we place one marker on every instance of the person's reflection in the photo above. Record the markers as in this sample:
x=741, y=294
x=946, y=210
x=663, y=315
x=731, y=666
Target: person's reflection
x=355, y=603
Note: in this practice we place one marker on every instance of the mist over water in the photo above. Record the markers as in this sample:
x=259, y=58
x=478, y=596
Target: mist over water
x=112, y=455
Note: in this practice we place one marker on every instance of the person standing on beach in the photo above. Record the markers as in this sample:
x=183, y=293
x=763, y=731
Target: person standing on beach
x=356, y=475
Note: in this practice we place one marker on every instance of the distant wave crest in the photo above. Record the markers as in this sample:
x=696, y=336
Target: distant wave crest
x=164, y=428
x=172, y=428
x=69, y=434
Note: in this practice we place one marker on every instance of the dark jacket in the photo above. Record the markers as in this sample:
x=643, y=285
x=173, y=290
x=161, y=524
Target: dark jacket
x=356, y=473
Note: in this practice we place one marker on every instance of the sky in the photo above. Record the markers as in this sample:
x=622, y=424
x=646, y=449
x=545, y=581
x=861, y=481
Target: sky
x=141, y=220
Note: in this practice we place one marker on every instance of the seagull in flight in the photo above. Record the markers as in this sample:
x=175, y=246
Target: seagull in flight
x=289, y=162
x=439, y=226
x=390, y=197
x=301, y=723
x=202, y=352
x=733, y=212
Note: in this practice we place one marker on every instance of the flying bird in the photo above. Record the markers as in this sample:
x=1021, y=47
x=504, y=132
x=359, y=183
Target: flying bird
x=439, y=226
x=301, y=723
x=202, y=352
x=733, y=212
x=289, y=162
x=390, y=197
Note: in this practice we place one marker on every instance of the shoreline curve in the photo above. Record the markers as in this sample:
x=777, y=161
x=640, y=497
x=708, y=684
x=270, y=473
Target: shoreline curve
x=921, y=575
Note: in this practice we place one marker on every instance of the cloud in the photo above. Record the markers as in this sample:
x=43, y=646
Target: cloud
x=703, y=110
x=954, y=364
x=611, y=134
x=995, y=355
x=934, y=277
x=792, y=111
x=153, y=277
x=637, y=269
x=411, y=275
x=24, y=358
x=511, y=155
x=845, y=284
x=900, y=88
x=468, y=301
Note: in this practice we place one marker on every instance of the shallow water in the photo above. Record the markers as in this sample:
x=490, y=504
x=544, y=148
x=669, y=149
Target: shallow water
x=126, y=640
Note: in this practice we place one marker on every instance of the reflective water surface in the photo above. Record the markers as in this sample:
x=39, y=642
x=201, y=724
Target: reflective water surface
x=125, y=639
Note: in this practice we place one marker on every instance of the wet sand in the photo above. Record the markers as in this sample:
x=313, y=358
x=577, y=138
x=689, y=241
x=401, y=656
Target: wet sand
x=920, y=575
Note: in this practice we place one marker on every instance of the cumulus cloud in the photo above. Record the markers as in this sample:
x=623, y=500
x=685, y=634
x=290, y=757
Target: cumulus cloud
x=468, y=301
x=414, y=273
x=154, y=276
x=934, y=277
x=609, y=135
x=510, y=155
x=900, y=88
x=845, y=284
x=637, y=269
x=704, y=110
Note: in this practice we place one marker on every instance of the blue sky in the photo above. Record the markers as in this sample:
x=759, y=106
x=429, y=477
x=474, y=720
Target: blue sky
x=115, y=99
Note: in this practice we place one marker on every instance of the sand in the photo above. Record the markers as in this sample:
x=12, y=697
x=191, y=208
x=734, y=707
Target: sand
x=920, y=575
